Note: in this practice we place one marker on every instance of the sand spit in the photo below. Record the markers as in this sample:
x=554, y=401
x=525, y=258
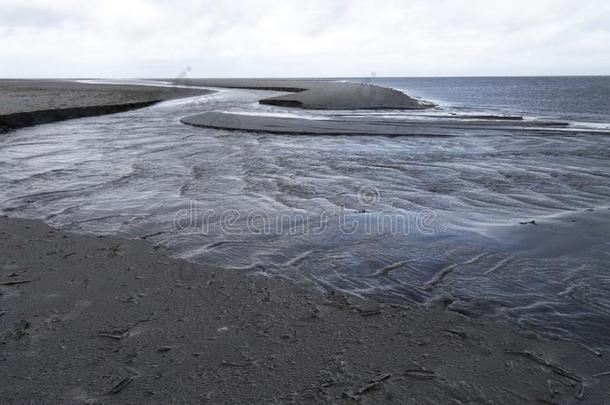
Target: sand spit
x=31, y=102
x=370, y=126
x=87, y=319
x=321, y=94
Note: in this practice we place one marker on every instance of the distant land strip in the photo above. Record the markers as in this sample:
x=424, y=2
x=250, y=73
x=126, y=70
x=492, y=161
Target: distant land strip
x=320, y=94
x=25, y=103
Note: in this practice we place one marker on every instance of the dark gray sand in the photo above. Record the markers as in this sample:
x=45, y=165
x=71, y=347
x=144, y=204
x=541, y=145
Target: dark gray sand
x=87, y=319
x=320, y=94
x=372, y=126
x=31, y=102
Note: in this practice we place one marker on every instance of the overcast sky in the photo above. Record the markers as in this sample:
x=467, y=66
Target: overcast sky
x=163, y=38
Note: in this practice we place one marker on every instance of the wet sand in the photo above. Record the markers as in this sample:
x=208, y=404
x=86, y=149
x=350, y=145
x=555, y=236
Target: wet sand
x=570, y=232
x=31, y=102
x=369, y=126
x=320, y=94
x=87, y=319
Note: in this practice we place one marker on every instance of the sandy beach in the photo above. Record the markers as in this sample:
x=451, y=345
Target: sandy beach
x=322, y=94
x=87, y=319
x=415, y=127
x=31, y=102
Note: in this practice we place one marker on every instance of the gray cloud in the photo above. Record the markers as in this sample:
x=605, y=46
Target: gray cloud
x=152, y=38
x=26, y=16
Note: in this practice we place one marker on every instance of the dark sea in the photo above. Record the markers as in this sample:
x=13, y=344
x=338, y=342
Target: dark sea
x=572, y=98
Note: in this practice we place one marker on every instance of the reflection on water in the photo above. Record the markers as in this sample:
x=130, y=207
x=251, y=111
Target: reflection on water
x=394, y=218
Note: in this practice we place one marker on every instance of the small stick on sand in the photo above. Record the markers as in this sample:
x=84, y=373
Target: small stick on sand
x=590, y=349
x=581, y=392
x=604, y=374
x=233, y=364
x=369, y=312
x=459, y=333
x=16, y=282
x=544, y=401
x=111, y=335
x=420, y=373
x=372, y=384
x=555, y=368
x=121, y=385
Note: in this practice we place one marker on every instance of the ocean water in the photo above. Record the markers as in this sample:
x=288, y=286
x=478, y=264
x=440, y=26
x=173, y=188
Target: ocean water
x=402, y=219
x=571, y=98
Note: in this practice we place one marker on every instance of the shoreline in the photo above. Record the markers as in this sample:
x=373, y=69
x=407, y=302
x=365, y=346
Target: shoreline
x=382, y=127
x=25, y=103
x=12, y=122
x=319, y=94
x=90, y=319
